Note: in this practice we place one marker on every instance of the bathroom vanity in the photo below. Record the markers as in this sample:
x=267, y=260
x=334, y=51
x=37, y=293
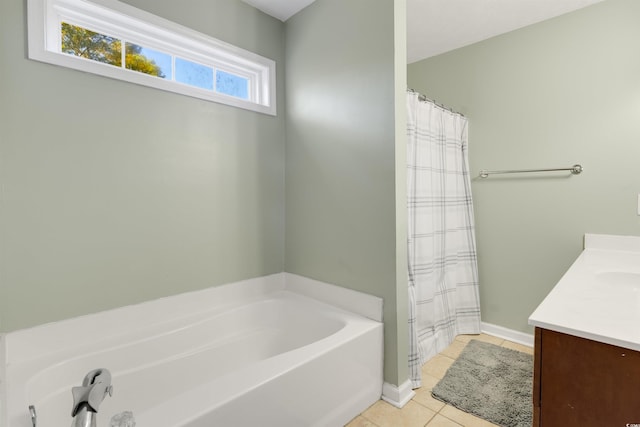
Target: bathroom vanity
x=587, y=340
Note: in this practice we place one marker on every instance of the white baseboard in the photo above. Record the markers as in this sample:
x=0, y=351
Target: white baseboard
x=507, y=334
x=398, y=396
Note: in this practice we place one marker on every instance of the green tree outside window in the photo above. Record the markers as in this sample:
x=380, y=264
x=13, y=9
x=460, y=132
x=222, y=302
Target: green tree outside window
x=98, y=47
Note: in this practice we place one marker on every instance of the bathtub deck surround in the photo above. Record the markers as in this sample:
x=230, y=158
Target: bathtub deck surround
x=356, y=302
x=206, y=355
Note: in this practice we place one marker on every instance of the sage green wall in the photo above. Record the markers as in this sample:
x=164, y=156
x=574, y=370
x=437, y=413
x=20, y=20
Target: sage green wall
x=340, y=157
x=113, y=193
x=557, y=93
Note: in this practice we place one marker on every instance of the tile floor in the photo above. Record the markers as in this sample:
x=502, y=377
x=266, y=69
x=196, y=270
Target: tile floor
x=423, y=410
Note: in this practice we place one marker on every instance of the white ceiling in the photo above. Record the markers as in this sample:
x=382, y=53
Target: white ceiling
x=438, y=26
x=281, y=9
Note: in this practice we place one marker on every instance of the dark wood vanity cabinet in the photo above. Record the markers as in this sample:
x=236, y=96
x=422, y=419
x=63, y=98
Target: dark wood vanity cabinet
x=585, y=383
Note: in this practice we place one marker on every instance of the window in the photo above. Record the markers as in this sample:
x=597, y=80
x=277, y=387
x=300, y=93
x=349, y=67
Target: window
x=116, y=40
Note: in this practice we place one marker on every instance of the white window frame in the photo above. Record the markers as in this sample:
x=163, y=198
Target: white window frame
x=125, y=22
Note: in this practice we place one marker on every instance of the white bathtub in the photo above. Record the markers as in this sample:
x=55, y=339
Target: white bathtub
x=252, y=357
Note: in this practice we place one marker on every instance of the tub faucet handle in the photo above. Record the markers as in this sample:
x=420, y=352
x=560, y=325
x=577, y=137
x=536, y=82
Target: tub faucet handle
x=95, y=387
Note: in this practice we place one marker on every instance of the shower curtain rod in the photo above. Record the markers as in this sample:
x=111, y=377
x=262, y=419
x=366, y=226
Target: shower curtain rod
x=422, y=97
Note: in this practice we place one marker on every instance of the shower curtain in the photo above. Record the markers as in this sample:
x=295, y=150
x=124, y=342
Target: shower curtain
x=443, y=276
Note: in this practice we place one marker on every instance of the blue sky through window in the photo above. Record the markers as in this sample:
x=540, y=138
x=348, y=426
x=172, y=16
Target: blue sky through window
x=230, y=84
x=198, y=75
x=193, y=74
x=162, y=60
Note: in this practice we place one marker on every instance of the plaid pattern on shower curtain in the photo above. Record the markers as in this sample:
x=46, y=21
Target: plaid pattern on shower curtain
x=443, y=275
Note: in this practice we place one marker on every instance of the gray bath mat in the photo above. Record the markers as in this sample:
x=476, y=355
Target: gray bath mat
x=491, y=382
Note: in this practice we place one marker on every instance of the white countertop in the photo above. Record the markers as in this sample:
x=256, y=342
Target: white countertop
x=598, y=298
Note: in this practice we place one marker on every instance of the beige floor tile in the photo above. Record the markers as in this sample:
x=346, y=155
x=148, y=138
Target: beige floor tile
x=481, y=337
x=454, y=350
x=429, y=382
x=437, y=366
x=423, y=409
x=463, y=418
x=466, y=338
x=517, y=347
x=440, y=421
x=360, y=421
x=423, y=397
x=385, y=415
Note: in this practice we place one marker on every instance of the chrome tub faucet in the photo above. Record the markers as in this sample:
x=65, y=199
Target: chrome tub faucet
x=88, y=397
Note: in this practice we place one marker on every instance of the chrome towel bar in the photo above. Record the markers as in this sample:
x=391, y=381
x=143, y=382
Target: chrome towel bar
x=575, y=170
